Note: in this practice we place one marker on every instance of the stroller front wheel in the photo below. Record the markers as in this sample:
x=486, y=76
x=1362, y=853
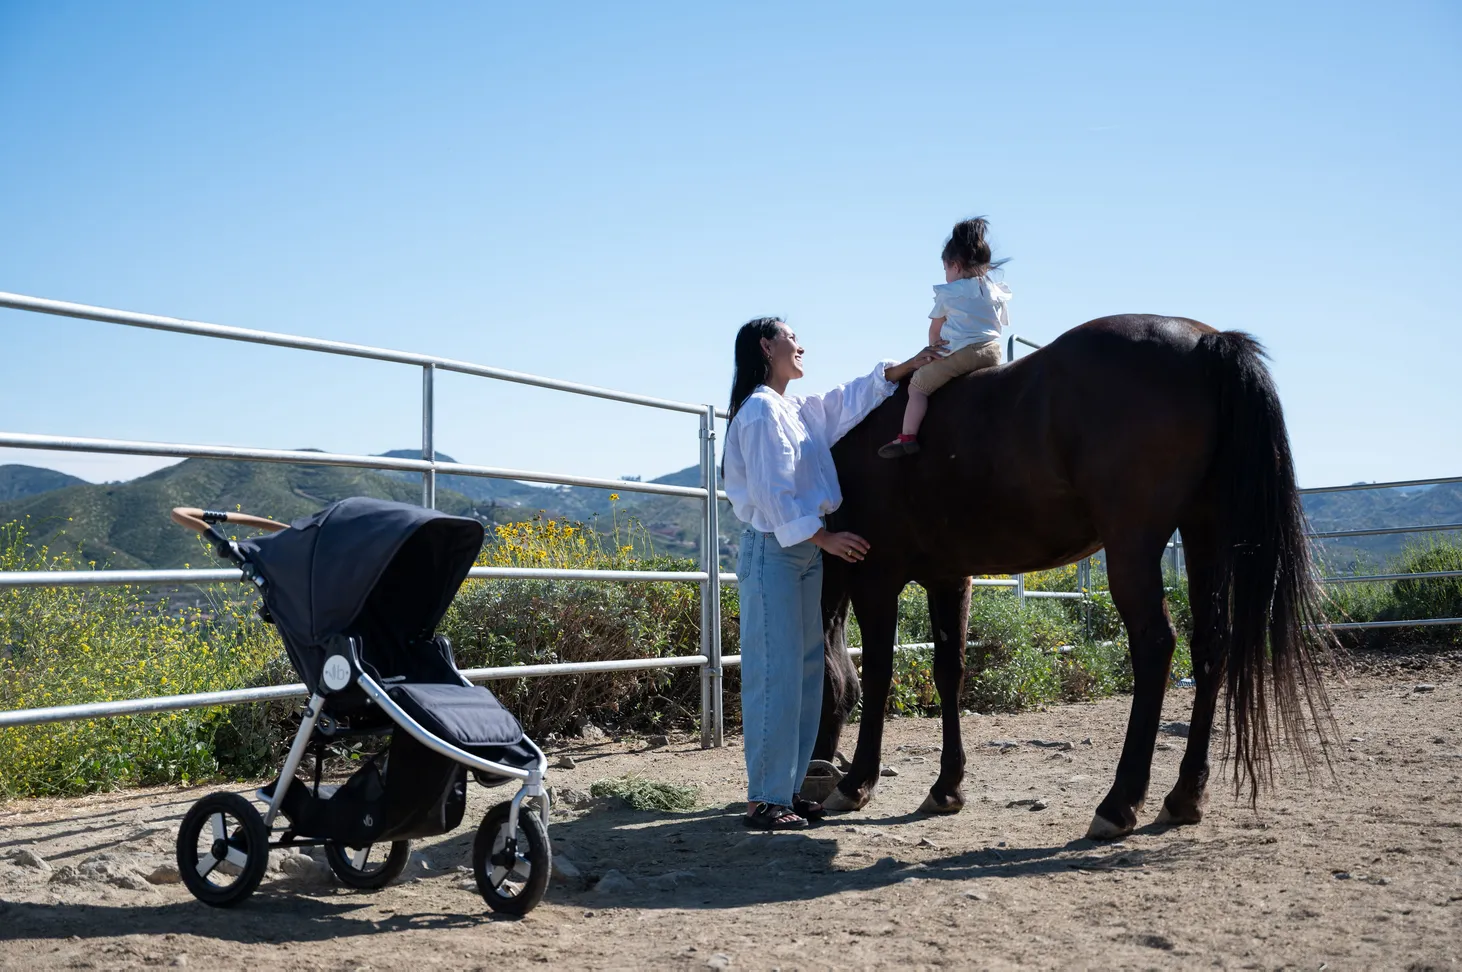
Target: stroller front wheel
x=223, y=849
x=512, y=869
x=353, y=865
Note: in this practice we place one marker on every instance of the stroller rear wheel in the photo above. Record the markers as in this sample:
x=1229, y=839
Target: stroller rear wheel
x=512, y=868
x=353, y=865
x=223, y=849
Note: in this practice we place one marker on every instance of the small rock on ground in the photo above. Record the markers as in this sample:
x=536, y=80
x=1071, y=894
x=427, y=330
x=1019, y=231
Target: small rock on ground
x=613, y=882
x=166, y=874
x=888, y=771
x=302, y=867
x=25, y=857
x=1029, y=804
x=1425, y=687
x=719, y=961
x=669, y=880
x=565, y=870
x=655, y=742
x=565, y=762
x=572, y=798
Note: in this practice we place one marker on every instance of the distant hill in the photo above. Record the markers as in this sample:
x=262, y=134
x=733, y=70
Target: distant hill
x=18, y=482
x=673, y=522
x=126, y=525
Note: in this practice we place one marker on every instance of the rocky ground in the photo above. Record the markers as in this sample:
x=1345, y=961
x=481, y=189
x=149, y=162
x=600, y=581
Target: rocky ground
x=1360, y=870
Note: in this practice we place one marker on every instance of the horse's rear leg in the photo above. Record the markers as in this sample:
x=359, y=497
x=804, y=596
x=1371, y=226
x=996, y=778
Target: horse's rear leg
x=1184, y=805
x=1135, y=575
x=949, y=614
x=877, y=607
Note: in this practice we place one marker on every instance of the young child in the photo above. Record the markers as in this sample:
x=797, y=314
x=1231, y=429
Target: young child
x=969, y=313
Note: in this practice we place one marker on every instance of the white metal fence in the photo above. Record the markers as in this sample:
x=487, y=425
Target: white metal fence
x=709, y=577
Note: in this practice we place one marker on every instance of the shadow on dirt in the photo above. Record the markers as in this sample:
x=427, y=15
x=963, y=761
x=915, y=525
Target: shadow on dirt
x=268, y=916
x=706, y=860
x=698, y=860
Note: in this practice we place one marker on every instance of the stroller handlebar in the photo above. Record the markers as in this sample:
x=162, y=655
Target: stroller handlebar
x=202, y=520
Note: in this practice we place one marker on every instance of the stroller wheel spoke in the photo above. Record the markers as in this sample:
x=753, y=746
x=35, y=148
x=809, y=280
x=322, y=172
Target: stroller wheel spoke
x=206, y=864
x=219, y=826
x=237, y=858
x=359, y=856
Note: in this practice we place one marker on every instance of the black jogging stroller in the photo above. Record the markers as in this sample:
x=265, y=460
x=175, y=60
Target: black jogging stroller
x=356, y=592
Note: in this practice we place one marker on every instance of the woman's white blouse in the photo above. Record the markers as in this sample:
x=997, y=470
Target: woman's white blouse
x=779, y=464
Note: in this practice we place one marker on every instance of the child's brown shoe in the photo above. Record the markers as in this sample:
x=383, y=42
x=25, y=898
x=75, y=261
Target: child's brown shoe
x=904, y=445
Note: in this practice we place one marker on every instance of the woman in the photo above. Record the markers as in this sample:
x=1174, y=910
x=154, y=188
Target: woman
x=780, y=478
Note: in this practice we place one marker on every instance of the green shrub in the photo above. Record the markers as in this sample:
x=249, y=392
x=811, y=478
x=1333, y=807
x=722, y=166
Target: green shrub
x=1433, y=598
x=1402, y=600
x=61, y=646
x=644, y=794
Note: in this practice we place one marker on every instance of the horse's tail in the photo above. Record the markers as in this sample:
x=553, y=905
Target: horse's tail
x=1266, y=600
x=841, y=691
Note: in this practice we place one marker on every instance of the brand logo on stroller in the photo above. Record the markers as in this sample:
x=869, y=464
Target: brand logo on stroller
x=337, y=673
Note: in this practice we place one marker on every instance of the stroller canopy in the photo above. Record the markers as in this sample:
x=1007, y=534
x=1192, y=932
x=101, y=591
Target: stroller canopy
x=400, y=564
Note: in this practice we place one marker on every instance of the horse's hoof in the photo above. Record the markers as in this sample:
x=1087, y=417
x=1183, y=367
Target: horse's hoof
x=1167, y=817
x=1103, y=829
x=942, y=805
x=840, y=802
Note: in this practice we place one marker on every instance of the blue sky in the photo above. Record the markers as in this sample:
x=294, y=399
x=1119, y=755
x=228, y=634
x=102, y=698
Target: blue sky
x=605, y=192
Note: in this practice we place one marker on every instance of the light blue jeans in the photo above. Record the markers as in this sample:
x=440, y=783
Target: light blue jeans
x=781, y=662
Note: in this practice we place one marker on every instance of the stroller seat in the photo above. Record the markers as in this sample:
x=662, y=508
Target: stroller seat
x=468, y=716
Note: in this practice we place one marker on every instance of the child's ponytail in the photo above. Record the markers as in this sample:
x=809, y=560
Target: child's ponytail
x=968, y=247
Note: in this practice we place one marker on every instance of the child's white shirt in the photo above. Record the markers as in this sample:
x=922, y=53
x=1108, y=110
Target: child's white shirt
x=973, y=309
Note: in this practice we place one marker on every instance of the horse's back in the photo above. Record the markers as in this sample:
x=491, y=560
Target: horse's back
x=1030, y=456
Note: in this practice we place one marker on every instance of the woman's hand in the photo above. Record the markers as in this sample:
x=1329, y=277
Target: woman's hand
x=848, y=546
x=929, y=355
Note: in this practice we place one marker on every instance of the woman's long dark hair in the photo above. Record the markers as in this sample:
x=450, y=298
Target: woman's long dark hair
x=752, y=366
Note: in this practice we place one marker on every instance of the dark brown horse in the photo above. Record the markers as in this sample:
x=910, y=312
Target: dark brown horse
x=1115, y=435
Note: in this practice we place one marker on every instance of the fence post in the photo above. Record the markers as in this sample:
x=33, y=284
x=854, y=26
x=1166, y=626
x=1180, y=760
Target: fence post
x=428, y=428
x=1083, y=584
x=1020, y=590
x=712, y=707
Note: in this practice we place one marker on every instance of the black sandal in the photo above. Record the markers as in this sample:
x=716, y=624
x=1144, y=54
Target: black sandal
x=770, y=816
x=808, y=809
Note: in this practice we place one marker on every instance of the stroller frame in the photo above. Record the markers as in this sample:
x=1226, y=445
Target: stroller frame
x=498, y=858
x=532, y=778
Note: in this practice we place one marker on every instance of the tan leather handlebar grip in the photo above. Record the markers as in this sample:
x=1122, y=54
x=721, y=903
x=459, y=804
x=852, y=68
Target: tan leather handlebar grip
x=192, y=518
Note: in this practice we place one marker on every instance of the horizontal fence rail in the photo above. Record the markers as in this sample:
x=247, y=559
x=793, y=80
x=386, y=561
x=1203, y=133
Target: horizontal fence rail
x=307, y=457
x=176, y=325
x=269, y=693
x=191, y=576
x=1385, y=531
x=710, y=661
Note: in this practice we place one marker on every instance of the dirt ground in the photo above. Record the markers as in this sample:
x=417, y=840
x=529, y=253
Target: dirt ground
x=1362, y=871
